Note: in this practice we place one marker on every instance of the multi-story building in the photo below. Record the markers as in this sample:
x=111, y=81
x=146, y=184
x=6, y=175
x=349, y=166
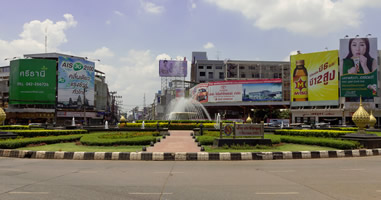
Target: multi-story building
x=228, y=71
x=23, y=111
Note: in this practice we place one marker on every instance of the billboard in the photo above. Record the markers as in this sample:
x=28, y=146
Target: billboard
x=74, y=75
x=358, y=65
x=200, y=92
x=314, y=79
x=32, y=81
x=172, y=68
x=239, y=90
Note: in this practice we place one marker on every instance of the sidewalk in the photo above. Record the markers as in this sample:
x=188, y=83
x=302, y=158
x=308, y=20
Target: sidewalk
x=178, y=141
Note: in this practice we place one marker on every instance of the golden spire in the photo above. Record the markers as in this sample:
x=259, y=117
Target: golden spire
x=372, y=120
x=361, y=118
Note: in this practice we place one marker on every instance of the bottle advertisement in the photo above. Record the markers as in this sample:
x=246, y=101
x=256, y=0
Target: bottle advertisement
x=314, y=79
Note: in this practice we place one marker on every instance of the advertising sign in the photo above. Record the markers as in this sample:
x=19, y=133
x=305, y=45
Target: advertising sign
x=314, y=79
x=200, y=92
x=32, y=81
x=172, y=68
x=225, y=93
x=358, y=64
x=75, y=81
x=180, y=92
x=238, y=90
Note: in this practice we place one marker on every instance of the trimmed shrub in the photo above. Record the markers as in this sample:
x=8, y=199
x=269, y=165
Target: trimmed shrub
x=23, y=142
x=43, y=132
x=326, y=142
x=128, y=138
x=312, y=133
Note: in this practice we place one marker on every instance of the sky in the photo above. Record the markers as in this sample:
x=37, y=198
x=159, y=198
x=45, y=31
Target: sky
x=129, y=37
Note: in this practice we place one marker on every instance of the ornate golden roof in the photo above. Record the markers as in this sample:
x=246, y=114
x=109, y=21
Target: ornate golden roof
x=122, y=119
x=249, y=120
x=372, y=120
x=361, y=117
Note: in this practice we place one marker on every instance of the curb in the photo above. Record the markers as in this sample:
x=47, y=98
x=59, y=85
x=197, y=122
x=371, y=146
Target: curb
x=184, y=156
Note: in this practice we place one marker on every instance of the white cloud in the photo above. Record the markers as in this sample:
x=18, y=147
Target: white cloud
x=108, y=22
x=118, y=13
x=32, y=38
x=287, y=58
x=152, y=8
x=101, y=54
x=208, y=45
x=311, y=17
x=193, y=4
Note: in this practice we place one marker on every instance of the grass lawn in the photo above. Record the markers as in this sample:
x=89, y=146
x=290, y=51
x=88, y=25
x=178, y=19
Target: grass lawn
x=72, y=147
x=282, y=147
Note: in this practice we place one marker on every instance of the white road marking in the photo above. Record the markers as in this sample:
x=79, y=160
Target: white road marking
x=28, y=192
x=141, y=193
x=283, y=171
x=352, y=169
x=276, y=193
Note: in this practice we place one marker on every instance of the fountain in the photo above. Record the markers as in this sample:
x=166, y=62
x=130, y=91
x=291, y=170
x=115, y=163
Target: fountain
x=73, y=122
x=106, y=125
x=218, y=120
x=186, y=109
x=143, y=127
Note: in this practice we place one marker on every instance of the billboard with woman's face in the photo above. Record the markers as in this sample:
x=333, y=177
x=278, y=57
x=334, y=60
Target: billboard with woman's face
x=172, y=68
x=358, y=66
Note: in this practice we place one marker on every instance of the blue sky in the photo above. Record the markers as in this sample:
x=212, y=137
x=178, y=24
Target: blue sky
x=130, y=36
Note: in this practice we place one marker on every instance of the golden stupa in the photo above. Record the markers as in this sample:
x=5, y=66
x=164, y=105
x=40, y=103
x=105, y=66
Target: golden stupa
x=249, y=120
x=361, y=118
x=372, y=120
x=2, y=116
x=122, y=119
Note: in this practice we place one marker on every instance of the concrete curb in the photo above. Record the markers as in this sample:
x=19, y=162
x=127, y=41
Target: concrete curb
x=184, y=156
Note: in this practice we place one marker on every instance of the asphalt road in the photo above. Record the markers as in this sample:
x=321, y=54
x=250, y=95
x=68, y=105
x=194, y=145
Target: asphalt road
x=340, y=178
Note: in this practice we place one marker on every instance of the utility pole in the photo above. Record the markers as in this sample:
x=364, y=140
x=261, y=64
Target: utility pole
x=84, y=106
x=112, y=105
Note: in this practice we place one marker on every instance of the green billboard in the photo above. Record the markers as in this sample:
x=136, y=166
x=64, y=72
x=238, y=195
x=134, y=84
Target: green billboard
x=32, y=81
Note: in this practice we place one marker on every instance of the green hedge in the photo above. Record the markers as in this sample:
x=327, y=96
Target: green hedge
x=170, y=126
x=312, y=133
x=43, y=132
x=208, y=139
x=104, y=139
x=326, y=142
x=14, y=127
x=23, y=142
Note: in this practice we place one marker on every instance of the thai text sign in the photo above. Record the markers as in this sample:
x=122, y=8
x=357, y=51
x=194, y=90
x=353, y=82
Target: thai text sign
x=322, y=80
x=32, y=81
x=75, y=76
x=249, y=130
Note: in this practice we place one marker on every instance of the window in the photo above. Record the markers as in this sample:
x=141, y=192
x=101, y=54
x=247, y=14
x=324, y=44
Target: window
x=209, y=67
x=218, y=67
x=200, y=67
x=243, y=75
x=221, y=75
x=202, y=73
x=210, y=75
x=241, y=67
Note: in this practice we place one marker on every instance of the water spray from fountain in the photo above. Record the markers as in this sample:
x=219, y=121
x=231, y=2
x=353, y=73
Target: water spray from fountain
x=218, y=121
x=186, y=109
x=143, y=127
x=73, y=122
